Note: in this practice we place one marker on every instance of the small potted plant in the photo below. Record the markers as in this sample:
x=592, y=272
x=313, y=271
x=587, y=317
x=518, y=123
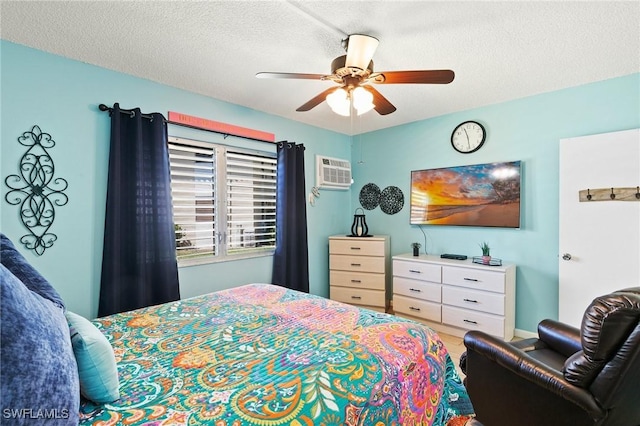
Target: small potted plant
x=416, y=249
x=486, y=253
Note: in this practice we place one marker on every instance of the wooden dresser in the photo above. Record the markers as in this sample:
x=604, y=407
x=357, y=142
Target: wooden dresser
x=359, y=271
x=455, y=296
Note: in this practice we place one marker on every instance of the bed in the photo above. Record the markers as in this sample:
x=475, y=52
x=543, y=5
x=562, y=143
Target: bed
x=258, y=354
x=261, y=354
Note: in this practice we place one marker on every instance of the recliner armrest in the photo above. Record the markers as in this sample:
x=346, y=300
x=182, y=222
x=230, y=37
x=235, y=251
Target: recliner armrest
x=528, y=368
x=560, y=337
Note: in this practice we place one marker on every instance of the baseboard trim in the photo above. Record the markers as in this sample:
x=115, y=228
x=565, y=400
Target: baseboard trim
x=524, y=334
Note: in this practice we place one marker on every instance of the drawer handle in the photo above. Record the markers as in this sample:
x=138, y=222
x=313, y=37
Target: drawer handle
x=414, y=309
x=470, y=322
x=355, y=248
x=356, y=281
x=471, y=279
x=413, y=271
x=470, y=300
x=356, y=297
x=355, y=264
x=417, y=290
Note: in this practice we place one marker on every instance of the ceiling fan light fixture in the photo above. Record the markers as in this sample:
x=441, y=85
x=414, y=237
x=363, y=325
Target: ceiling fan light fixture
x=343, y=110
x=360, y=50
x=338, y=100
x=362, y=100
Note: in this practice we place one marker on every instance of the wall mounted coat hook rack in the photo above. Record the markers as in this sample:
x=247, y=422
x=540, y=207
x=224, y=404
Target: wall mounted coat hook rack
x=610, y=194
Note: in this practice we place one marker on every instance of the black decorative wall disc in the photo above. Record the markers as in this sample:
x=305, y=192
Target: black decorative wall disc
x=391, y=200
x=370, y=196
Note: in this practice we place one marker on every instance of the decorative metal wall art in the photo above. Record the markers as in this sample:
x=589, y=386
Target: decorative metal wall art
x=391, y=200
x=370, y=196
x=36, y=190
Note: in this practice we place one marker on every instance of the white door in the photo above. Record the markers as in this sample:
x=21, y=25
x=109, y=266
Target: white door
x=599, y=241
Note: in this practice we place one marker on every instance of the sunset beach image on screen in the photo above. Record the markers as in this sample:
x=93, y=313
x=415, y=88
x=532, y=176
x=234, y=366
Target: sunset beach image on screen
x=473, y=195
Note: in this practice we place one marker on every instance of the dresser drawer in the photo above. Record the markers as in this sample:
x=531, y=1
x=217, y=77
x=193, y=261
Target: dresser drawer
x=474, y=278
x=417, y=289
x=356, y=263
x=473, y=320
x=492, y=303
x=357, y=296
x=357, y=247
x=357, y=279
x=417, y=308
x=417, y=271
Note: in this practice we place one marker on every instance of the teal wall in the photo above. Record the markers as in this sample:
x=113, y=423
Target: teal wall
x=527, y=129
x=62, y=97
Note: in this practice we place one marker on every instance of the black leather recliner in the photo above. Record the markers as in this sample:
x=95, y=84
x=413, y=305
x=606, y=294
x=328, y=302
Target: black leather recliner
x=566, y=376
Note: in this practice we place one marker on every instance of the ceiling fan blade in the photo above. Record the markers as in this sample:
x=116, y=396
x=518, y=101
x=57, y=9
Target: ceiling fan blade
x=291, y=75
x=382, y=105
x=316, y=100
x=360, y=50
x=414, y=77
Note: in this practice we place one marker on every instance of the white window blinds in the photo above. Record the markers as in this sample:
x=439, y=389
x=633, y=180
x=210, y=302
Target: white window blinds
x=251, y=202
x=224, y=201
x=193, y=171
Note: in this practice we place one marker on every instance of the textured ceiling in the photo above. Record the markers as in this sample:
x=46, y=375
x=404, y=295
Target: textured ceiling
x=498, y=50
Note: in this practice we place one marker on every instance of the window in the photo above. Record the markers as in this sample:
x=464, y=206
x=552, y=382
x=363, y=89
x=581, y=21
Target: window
x=224, y=201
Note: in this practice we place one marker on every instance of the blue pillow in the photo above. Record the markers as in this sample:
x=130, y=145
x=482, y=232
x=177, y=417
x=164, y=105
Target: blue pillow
x=11, y=258
x=96, y=361
x=39, y=376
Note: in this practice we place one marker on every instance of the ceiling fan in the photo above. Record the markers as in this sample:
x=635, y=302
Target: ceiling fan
x=354, y=73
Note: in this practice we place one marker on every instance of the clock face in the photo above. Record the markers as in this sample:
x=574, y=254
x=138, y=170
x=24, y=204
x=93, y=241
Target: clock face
x=468, y=137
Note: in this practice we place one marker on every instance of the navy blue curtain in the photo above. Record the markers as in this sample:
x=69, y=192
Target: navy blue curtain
x=291, y=259
x=139, y=266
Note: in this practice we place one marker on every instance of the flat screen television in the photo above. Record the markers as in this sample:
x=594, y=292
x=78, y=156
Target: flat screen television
x=474, y=195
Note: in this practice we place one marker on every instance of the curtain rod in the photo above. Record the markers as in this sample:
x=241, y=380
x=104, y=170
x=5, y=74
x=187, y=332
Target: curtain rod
x=104, y=107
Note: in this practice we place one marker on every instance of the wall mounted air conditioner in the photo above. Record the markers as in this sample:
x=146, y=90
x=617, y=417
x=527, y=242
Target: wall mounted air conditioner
x=333, y=173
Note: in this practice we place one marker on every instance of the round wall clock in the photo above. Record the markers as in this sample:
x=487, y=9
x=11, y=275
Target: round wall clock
x=468, y=137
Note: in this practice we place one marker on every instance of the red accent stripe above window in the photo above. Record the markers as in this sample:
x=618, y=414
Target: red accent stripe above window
x=216, y=126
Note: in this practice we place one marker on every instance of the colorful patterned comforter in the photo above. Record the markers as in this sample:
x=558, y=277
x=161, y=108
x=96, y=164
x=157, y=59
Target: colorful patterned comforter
x=264, y=355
